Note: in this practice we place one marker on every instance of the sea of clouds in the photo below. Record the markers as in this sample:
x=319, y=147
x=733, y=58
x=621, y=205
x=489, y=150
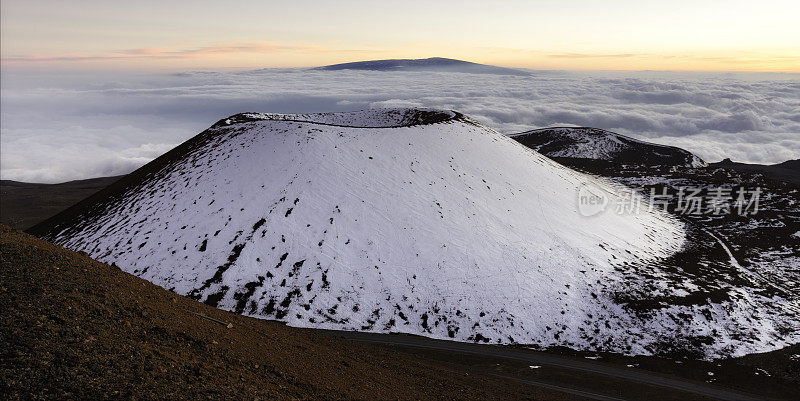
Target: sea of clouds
x=62, y=127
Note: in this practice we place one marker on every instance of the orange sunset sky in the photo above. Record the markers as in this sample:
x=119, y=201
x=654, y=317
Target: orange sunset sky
x=573, y=35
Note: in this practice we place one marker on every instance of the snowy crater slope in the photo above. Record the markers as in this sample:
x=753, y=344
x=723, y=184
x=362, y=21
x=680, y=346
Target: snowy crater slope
x=595, y=143
x=425, y=222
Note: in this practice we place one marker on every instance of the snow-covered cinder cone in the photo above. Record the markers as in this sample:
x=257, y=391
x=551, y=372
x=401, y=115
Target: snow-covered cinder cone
x=400, y=220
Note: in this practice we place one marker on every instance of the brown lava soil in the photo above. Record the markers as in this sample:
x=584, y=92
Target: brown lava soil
x=71, y=327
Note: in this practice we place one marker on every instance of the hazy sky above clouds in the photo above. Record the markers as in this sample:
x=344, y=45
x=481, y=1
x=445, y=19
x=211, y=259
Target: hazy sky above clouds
x=56, y=129
x=95, y=88
x=721, y=35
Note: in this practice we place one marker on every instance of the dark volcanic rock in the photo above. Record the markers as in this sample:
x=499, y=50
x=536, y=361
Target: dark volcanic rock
x=599, y=144
x=787, y=171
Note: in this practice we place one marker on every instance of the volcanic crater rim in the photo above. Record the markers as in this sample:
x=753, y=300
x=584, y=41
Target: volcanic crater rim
x=386, y=118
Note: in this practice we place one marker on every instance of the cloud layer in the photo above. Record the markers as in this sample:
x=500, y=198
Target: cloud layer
x=57, y=128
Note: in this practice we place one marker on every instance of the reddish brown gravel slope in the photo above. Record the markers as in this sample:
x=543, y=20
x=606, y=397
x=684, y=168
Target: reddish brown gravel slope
x=71, y=327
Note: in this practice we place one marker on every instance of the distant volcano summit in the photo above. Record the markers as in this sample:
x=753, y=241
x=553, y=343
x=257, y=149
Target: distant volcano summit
x=437, y=64
x=415, y=221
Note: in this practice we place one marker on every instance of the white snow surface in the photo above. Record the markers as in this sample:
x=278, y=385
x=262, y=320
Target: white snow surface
x=448, y=230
